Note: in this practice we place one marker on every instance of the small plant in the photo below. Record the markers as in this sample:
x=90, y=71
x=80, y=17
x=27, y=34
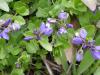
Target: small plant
x=49, y=37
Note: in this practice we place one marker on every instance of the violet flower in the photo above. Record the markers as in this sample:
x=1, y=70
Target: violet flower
x=79, y=55
x=6, y=30
x=27, y=38
x=63, y=15
x=45, y=29
x=15, y=26
x=5, y=35
x=77, y=41
x=69, y=25
x=96, y=52
x=51, y=20
x=0, y=35
x=7, y=22
x=84, y=46
x=62, y=30
x=83, y=33
x=80, y=38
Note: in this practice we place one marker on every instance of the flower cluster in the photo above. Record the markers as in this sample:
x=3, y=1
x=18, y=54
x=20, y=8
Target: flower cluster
x=80, y=39
x=46, y=29
x=6, y=27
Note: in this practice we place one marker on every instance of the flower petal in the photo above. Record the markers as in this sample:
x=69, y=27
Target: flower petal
x=95, y=54
x=69, y=25
x=83, y=33
x=77, y=41
x=79, y=56
x=63, y=15
x=5, y=36
x=7, y=22
x=28, y=38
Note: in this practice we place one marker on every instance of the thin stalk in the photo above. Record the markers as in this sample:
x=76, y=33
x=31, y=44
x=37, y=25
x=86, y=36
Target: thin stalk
x=47, y=66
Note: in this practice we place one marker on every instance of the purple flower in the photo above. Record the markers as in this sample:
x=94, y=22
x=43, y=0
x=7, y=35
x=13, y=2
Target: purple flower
x=28, y=38
x=95, y=54
x=45, y=29
x=42, y=27
x=5, y=35
x=95, y=51
x=62, y=30
x=83, y=33
x=48, y=32
x=84, y=46
x=79, y=55
x=7, y=22
x=77, y=40
x=38, y=37
x=63, y=15
x=91, y=43
x=69, y=25
x=97, y=48
x=15, y=26
x=18, y=65
x=0, y=35
x=51, y=20
x=6, y=30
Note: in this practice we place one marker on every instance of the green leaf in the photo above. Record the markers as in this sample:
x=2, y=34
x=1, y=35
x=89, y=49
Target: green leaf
x=19, y=19
x=17, y=72
x=25, y=58
x=43, y=3
x=84, y=19
x=79, y=6
x=63, y=60
x=2, y=53
x=28, y=33
x=34, y=24
x=15, y=50
x=4, y=5
x=91, y=31
x=55, y=10
x=8, y=0
x=97, y=72
x=21, y=8
x=87, y=61
x=32, y=47
x=60, y=57
x=42, y=12
x=6, y=16
x=2, y=42
x=45, y=44
x=97, y=40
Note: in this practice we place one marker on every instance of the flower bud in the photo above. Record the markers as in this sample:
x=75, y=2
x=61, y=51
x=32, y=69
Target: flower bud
x=28, y=38
x=51, y=20
x=69, y=25
x=79, y=55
